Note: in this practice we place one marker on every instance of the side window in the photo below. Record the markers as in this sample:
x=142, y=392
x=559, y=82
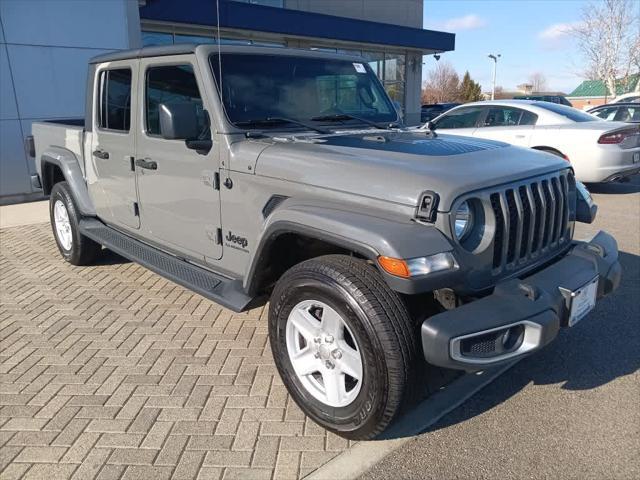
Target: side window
x=606, y=113
x=503, y=117
x=460, y=118
x=170, y=84
x=528, y=118
x=114, y=110
x=628, y=114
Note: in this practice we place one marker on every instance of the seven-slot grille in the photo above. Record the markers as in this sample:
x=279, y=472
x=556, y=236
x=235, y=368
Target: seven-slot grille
x=531, y=219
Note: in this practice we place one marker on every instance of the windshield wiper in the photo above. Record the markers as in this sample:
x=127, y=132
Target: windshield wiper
x=280, y=120
x=338, y=117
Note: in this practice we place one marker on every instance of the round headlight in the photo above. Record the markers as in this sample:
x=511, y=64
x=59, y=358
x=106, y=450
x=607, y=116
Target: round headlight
x=463, y=221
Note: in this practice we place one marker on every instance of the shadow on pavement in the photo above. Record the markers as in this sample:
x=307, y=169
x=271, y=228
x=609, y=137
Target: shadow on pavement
x=110, y=258
x=600, y=349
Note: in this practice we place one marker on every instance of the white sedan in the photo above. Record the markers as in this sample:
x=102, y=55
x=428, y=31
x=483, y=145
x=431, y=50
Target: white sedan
x=599, y=151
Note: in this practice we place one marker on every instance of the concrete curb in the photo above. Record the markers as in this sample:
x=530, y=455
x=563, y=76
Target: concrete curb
x=363, y=455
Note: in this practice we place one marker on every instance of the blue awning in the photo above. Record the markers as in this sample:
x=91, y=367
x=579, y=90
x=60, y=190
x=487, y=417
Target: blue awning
x=259, y=18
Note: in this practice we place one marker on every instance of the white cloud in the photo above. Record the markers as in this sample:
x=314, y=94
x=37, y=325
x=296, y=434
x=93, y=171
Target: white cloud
x=557, y=31
x=466, y=22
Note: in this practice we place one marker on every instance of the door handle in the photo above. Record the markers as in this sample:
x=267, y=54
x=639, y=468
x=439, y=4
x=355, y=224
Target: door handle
x=148, y=164
x=520, y=136
x=101, y=154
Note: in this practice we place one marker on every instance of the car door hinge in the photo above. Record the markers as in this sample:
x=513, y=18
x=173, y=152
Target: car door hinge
x=136, y=209
x=216, y=181
x=132, y=164
x=219, y=236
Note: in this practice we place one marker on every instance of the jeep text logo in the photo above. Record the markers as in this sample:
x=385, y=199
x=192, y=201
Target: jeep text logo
x=241, y=241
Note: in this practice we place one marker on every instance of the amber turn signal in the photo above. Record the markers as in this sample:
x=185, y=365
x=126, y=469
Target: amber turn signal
x=394, y=266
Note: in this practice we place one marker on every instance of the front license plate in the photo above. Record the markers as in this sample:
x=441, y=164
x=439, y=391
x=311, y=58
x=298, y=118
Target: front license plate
x=636, y=157
x=583, y=301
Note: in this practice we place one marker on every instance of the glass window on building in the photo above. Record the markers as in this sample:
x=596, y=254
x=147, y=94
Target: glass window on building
x=193, y=39
x=159, y=38
x=391, y=70
x=376, y=62
x=156, y=38
x=267, y=3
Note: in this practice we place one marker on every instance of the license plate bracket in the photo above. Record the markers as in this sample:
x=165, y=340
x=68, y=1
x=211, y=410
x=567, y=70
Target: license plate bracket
x=581, y=301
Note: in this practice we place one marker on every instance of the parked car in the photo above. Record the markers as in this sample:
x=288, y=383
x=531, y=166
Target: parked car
x=599, y=151
x=431, y=111
x=627, y=97
x=246, y=173
x=559, y=99
x=619, y=112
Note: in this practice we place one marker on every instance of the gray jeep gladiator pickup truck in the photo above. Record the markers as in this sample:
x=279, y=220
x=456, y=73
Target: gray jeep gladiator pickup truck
x=255, y=173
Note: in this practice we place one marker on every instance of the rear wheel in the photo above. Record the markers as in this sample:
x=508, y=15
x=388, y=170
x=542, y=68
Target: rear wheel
x=76, y=248
x=343, y=344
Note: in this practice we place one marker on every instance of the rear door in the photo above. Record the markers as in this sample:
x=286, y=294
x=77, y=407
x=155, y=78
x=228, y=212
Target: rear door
x=114, y=143
x=459, y=121
x=179, y=203
x=507, y=124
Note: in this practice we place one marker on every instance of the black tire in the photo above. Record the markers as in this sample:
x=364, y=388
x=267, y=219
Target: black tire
x=381, y=324
x=83, y=250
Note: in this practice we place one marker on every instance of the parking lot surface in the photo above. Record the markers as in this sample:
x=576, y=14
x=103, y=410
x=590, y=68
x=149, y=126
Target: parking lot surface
x=571, y=411
x=113, y=372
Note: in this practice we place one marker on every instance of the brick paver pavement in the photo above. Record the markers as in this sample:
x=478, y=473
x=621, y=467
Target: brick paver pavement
x=114, y=372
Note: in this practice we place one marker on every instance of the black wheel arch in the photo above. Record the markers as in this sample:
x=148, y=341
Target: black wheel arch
x=275, y=253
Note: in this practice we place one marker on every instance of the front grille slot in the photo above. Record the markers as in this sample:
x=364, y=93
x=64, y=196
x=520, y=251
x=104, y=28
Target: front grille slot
x=531, y=220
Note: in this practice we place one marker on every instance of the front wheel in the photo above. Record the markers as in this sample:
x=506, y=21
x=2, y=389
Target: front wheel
x=76, y=248
x=343, y=344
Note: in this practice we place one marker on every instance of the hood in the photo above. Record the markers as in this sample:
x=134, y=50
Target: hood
x=399, y=166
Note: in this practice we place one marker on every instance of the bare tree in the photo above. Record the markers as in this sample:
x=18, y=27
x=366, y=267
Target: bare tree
x=538, y=82
x=442, y=84
x=609, y=39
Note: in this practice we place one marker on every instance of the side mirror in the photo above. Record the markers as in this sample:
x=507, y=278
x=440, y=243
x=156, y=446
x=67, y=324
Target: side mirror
x=178, y=121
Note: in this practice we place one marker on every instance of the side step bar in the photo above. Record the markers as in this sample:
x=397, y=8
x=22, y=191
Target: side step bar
x=222, y=290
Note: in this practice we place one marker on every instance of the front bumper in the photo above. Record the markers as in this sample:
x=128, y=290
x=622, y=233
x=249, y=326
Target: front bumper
x=521, y=315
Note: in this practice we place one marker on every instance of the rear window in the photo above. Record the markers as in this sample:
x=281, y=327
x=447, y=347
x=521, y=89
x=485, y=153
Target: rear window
x=567, y=112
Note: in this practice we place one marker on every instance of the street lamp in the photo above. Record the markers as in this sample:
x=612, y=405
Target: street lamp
x=495, y=65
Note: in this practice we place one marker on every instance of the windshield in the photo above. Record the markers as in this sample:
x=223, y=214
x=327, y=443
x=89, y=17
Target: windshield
x=567, y=112
x=259, y=88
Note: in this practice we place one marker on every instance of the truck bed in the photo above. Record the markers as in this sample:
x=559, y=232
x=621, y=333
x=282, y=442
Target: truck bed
x=64, y=133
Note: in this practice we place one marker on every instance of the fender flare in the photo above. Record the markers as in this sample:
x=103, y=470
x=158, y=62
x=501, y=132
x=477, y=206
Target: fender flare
x=362, y=233
x=69, y=165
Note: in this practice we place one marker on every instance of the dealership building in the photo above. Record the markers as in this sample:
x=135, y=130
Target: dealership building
x=45, y=46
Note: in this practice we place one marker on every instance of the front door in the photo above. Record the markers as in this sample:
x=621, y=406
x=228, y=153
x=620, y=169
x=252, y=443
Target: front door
x=508, y=124
x=179, y=205
x=113, y=148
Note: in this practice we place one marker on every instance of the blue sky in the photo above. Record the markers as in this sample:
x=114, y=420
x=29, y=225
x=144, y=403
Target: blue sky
x=530, y=35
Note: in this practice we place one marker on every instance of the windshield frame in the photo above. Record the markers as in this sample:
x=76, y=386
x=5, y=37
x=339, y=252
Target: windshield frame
x=350, y=124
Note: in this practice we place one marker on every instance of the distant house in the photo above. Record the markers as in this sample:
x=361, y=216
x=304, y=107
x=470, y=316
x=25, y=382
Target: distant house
x=594, y=92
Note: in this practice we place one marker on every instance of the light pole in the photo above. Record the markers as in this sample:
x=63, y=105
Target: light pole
x=495, y=66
